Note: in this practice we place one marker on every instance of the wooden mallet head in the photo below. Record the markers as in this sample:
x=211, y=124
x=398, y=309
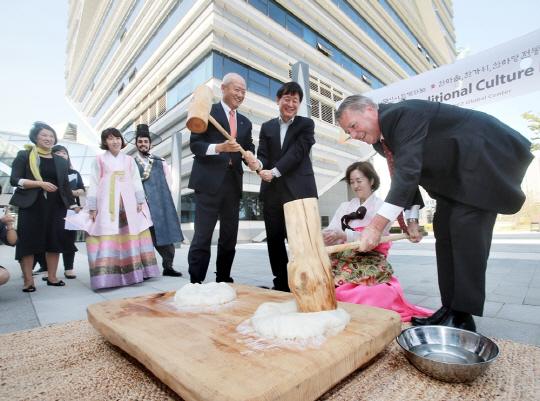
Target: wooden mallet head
x=200, y=106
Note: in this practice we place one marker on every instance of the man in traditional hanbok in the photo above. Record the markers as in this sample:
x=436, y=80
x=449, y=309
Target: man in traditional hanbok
x=157, y=182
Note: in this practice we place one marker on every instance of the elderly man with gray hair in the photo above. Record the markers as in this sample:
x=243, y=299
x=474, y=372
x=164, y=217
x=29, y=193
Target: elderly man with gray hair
x=216, y=178
x=469, y=162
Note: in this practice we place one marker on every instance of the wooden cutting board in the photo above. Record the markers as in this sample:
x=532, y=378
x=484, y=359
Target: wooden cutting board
x=198, y=352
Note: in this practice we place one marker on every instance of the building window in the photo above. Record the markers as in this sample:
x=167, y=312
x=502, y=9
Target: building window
x=217, y=65
x=187, y=212
x=132, y=75
x=359, y=20
x=261, y=5
x=324, y=221
x=251, y=207
x=284, y=18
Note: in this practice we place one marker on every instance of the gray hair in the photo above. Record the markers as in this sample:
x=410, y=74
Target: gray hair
x=356, y=103
x=229, y=77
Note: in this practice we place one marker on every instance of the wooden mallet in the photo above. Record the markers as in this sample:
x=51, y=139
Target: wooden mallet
x=199, y=114
x=309, y=270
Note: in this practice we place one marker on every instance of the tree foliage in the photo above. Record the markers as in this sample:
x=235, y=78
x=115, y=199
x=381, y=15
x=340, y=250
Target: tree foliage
x=534, y=126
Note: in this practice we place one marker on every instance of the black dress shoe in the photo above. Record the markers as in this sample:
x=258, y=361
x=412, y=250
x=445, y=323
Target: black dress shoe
x=460, y=320
x=224, y=280
x=434, y=319
x=171, y=272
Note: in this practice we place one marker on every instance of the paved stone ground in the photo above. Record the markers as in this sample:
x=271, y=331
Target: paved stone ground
x=512, y=309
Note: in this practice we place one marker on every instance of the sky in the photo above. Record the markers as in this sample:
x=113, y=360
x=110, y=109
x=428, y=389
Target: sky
x=483, y=24
x=33, y=56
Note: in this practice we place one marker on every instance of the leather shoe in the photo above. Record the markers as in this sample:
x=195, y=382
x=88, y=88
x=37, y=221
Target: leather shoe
x=460, y=320
x=434, y=319
x=224, y=280
x=171, y=272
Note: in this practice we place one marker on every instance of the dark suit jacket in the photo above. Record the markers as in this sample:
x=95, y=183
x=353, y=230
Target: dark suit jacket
x=208, y=172
x=464, y=155
x=25, y=197
x=292, y=161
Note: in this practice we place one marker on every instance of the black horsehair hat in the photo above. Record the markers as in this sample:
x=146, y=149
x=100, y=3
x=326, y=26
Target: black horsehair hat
x=142, y=130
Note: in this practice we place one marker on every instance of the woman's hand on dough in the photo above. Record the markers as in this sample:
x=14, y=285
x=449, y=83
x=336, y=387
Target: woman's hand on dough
x=329, y=237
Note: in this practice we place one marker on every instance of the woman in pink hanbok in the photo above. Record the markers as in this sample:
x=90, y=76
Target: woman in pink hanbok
x=365, y=278
x=116, y=219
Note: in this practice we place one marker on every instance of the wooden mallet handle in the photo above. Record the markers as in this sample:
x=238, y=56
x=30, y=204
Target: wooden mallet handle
x=199, y=109
x=226, y=135
x=354, y=245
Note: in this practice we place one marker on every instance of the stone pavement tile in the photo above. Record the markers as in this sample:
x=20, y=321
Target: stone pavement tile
x=515, y=331
x=532, y=299
x=491, y=309
x=506, y=299
x=510, y=290
x=522, y=280
x=520, y=313
x=433, y=303
x=498, y=270
x=415, y=299
x=168, y=286
x=492, y=276
x=535, y=283
x=53, y=311
x=135, y=292
x=18, y=326
x=17, y=313
x=431, y=290
x=408, y=281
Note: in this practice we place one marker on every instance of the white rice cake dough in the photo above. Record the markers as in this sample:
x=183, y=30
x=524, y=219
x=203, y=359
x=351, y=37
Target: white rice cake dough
x=283, y=321
x=205, y=294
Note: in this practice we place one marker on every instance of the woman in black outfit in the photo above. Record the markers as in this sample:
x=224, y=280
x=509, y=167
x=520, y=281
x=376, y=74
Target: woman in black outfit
x=43, y=194
x=77, y=189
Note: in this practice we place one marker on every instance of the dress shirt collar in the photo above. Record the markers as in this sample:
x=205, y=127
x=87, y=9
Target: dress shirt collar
x=227, y=110
x=288, y=123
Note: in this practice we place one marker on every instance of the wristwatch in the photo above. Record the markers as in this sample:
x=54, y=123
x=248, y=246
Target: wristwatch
x=409, y=221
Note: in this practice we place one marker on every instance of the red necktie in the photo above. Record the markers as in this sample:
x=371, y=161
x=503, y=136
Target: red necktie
x=232, y=124
x=390, y=160
x=232, y=127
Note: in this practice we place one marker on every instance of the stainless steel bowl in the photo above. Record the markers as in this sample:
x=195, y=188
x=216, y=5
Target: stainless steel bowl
x=448, y=354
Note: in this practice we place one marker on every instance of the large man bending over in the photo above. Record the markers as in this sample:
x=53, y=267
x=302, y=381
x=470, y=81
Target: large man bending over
x=469, y=162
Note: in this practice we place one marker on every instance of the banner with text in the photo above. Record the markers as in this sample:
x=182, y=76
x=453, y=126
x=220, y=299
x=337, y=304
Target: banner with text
x=505, y=71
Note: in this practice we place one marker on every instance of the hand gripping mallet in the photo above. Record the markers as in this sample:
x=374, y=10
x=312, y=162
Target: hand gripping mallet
x=354, y=245
x=199, y=114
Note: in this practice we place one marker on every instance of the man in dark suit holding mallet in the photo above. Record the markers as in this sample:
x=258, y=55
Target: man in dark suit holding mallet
x=284, y=146
x=469, y=162
x=216, y=177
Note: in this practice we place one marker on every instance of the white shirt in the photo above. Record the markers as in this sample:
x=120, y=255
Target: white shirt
x=283, y=127
x=391, y=212
x=372, y=205
x=211, y=151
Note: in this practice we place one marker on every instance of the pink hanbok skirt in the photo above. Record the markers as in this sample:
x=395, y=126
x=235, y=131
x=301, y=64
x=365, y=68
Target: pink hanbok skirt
x=121, y=259
x=386, y=295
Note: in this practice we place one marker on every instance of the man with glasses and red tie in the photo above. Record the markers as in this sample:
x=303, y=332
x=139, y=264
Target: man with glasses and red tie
x=216, y=178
